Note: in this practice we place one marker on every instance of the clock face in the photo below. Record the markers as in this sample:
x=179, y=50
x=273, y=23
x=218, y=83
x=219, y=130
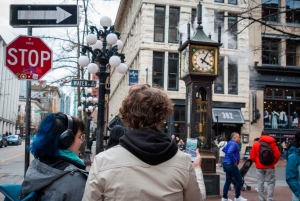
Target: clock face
x=203, y=60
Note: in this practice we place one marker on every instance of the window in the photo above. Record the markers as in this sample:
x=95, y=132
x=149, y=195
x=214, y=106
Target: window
x=159, y=24
x=233, y=2
x=282, y=110
x=173, y=23
x=179, y=121
x=232, y=79
x=194, y=17
x=158, y=68
x=219, y=20
x=292, y=53
x=293, y=11
x=232, y=30
x=173, y=71
x=270, y=9
x=219, y=1
x=219, y=81
x=270, y=49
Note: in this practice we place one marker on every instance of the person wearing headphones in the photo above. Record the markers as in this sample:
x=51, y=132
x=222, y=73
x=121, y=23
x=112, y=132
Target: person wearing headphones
x=57, y=173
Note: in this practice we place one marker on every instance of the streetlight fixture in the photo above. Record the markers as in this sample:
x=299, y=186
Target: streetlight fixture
x=104, y=47
x=87, y=105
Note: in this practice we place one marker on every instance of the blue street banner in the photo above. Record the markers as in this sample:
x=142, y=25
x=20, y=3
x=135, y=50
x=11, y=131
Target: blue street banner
x=133, y=77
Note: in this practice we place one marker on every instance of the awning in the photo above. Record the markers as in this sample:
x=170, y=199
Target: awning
x=227, y=115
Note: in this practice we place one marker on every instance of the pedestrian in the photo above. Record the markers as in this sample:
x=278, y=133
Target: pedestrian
x=230, y=167
x=6, y=134
x=57, y=173
x=181, y=145
x=146, y=165
x=265, y=172
x=215, y=150
x=221, y=145
x=285, y=145
x=292, y=170
x=115, y=134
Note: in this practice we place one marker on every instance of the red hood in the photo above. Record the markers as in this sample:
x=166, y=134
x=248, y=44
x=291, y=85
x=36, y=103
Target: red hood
x=267, y=139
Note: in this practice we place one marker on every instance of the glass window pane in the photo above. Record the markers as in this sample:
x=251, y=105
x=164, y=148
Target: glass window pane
x=219, y=81
x=173, y=35
x=173, y=71
x=232, y=27
x=157, y=79
x=270, y=10
x=234, y=2
x=172, y=81
x=297, y=94
x=158, y=34
x=158, y=66
x=270, y=49
x=268, y=93
x=173, y=23
x=232, y=79
x=278, y=93
x=292, y=14
x=289, y=94
x=219, y=1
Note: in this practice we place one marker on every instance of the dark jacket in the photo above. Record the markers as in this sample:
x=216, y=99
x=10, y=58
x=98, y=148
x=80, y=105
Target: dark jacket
x=292, y=170
x=58, y=180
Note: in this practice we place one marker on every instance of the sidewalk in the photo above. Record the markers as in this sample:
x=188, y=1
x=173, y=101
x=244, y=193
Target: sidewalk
x=281, y=192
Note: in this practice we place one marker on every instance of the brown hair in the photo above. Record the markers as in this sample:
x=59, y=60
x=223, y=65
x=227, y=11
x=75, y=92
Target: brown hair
x=145, y=107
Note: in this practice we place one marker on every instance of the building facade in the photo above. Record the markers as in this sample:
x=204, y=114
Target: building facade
x=9, y=95
x=151, y=30
x=275, y=76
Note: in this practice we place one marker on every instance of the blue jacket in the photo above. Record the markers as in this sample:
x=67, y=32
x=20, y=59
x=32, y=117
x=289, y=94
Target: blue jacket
x=292, y=170
x=232, y=152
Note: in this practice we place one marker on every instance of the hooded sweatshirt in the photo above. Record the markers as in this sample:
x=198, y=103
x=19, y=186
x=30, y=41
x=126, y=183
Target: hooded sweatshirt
x=254, y=153
x=149, y=145
x=146, y=165
x=55, y=179
x=292, y=171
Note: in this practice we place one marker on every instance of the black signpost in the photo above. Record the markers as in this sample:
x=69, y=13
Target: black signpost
x=24, y=15
x=229, y=116
x=83, y=83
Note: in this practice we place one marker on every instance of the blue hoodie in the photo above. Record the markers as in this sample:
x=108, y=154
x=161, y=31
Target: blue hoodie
x=292, y=170
x=232, y=152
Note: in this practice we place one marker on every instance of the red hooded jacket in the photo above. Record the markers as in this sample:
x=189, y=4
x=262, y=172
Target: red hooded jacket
x=254, y=154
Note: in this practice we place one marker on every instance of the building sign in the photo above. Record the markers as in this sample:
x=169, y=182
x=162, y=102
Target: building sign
x=227, y=115
x=133, y=77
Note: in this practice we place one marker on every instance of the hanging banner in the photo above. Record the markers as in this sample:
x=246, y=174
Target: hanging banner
x=133, y=77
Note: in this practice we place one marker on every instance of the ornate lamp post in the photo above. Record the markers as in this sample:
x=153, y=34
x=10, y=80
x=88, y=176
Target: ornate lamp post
x=104, y=48
x=88, y=103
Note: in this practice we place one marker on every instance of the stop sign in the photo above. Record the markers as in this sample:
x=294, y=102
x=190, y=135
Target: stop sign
x=28, y=58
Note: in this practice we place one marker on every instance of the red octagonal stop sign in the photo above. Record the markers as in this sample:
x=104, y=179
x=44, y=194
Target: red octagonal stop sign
x=28, y=57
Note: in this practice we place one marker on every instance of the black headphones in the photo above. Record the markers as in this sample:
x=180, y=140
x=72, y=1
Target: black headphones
x=67, y=137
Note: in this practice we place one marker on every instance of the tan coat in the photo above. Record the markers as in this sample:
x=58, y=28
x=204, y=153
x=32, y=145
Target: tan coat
x=116, y=174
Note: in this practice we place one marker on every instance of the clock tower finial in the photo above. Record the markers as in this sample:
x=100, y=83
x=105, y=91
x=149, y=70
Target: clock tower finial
x=199, y=14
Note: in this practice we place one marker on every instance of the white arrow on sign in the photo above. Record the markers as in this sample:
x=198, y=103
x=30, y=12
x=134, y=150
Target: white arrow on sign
x=58, y=14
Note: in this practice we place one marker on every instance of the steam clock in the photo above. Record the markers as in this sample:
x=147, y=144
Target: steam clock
x=198, y=68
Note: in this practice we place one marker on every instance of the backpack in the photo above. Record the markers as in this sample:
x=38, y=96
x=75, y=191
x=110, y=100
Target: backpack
x=266, y=156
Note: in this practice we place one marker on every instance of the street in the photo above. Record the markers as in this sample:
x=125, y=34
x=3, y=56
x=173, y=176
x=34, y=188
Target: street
x=12, y=171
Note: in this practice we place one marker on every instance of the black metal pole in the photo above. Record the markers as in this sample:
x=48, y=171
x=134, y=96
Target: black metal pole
x=28, y=116
x=87, y=158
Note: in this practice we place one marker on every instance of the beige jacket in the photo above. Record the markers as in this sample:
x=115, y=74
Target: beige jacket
x=118, y=175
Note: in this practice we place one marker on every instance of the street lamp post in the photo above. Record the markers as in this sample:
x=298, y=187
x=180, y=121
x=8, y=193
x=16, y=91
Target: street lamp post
x=104, y=52
x=88, y=103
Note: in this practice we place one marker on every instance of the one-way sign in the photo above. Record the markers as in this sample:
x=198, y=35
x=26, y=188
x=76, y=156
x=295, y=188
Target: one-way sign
x=83, y=83
x=25, y=15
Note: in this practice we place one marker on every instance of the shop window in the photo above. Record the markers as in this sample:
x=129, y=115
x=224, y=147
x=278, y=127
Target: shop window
x=173, y=72
x=270, y=10
x=232, y=30
x=292, y=53
x=158, y=68
x=232, y=79
x=282, y=114
x=292, y=11
x=219, y=81
x=278, y=93
x=159, y=24
x=268, y=93
x=270, y=49
x=173, y=23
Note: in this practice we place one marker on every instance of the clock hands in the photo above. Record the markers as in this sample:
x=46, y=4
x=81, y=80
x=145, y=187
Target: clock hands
x=205, y=61
x=204, y=57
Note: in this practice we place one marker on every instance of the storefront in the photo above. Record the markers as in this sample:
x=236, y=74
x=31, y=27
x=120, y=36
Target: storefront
x=227, y=120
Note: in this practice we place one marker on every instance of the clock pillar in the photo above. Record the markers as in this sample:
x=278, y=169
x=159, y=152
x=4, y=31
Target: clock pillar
x=198, y=68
